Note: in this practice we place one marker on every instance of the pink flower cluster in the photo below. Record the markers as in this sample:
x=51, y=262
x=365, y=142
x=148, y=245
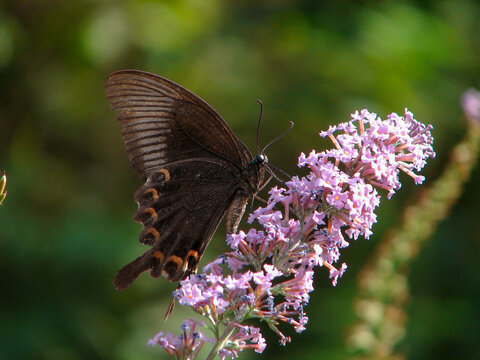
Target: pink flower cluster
x=185, y=346
x=268, y=274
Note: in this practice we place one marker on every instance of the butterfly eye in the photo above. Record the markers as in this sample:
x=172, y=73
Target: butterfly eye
x=260, y=159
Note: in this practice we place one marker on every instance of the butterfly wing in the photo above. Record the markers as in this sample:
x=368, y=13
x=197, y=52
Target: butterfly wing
x=180, y=209
x=164, y=123
x=191, y=161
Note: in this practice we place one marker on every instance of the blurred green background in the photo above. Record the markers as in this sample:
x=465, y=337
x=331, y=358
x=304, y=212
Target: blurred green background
x=66, y=224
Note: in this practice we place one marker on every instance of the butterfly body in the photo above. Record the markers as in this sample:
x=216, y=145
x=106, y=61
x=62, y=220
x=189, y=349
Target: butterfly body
x=196, y=171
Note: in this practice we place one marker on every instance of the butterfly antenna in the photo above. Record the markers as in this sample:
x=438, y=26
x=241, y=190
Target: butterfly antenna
x=278, y=137
x=258, y=124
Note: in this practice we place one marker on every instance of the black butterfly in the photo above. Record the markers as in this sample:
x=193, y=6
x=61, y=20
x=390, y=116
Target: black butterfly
x=195, y=169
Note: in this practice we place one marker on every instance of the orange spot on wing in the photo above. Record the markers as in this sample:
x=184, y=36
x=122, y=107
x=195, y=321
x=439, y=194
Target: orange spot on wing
x=192, y=258
x=154, y=193
x=172, y=266
x=165, y=173
x=176, y=259
x=158, y=255
x=193, y=253
x=152, y=212
x=154, y=232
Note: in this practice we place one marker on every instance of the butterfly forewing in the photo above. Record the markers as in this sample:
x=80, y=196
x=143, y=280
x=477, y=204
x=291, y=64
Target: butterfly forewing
x=194, y=167
x=163, y=123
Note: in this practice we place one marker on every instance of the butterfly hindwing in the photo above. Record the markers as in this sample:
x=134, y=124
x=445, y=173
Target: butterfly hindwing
x=179, y=214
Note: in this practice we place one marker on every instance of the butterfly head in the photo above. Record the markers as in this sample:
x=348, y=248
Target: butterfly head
x=259, y=160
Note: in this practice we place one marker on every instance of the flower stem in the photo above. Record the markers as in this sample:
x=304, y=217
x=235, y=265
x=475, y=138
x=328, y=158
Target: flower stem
x=220, y=342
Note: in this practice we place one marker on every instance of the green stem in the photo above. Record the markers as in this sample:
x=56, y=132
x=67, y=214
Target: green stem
x=221, y=342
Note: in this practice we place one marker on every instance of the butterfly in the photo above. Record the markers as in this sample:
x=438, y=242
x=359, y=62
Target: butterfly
x=195, y=172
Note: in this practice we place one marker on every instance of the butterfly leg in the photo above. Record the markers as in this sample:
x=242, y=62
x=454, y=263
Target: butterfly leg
x=265, y=183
